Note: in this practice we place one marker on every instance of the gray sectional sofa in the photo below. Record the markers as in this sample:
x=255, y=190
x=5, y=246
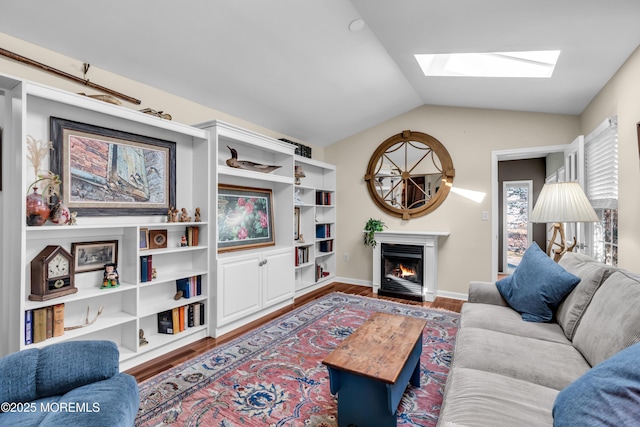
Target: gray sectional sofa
x=510, y=372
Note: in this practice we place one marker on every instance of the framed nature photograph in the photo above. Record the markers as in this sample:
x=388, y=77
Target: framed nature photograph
x=110, y=172
x=92, y=256
x=144, y=239
x=245, y=218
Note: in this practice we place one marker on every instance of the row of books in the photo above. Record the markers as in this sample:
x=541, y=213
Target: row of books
x=326, y=246
x=43, y=323
x=192, y=232
x=146, y=268
x=323, y=231
x=180, y=318
x=190, y=286
x=320, y=272
x=323, y=198
x=302, y=255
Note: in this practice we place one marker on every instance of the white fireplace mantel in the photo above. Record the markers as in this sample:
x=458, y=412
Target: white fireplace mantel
x=427, y=239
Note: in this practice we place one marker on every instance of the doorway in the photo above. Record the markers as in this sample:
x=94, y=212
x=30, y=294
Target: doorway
x=517, y=201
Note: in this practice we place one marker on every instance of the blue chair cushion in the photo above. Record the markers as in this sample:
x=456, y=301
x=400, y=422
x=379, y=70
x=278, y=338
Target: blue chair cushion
x=18, y=374
x=608, y=394
x=537, y=286
x=68, y=365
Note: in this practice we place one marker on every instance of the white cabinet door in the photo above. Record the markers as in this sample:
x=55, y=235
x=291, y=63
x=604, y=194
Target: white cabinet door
x=279, y=276
x=239, y=281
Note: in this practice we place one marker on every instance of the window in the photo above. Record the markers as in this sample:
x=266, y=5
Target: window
x=601, y=182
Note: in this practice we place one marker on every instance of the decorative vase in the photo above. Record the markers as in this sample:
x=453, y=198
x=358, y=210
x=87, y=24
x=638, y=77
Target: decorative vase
x=60, y=214
x=37, y=209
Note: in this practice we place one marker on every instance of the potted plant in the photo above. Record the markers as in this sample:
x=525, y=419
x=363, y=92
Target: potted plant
x=370, y=229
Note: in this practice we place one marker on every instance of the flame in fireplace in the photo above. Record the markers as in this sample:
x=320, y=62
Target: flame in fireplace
x=404, y=271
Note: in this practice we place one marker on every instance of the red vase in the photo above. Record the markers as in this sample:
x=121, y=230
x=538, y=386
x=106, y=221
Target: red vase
x=37, y=209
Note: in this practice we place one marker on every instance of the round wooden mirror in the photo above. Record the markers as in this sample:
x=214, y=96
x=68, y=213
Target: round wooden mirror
x=410, y=174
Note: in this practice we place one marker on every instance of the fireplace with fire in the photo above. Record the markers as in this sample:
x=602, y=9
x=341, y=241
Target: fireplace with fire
x=401, y=271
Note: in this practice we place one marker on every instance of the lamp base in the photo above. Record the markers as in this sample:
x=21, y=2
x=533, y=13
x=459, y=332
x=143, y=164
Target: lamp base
x=558, y=228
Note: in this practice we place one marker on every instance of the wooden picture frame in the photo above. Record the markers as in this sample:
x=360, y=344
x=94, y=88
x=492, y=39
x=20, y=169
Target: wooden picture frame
x=245, y=218
x=92, y=256
x=144, y=239
x=110, y=172
x=157, y=239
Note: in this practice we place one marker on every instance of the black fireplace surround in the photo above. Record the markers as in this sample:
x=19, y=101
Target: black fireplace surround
x=401, y=271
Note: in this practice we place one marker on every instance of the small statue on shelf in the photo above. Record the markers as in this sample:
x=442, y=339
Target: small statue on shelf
x=111, y=278
x=72, y=218
x=154, y=273
x=301, y=239
x=183, y=241
x=197, y=215
x=172, y=214
x=143, y=340
x=184, y=216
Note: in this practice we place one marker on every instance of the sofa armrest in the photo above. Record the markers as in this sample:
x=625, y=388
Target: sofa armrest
x=485, y=293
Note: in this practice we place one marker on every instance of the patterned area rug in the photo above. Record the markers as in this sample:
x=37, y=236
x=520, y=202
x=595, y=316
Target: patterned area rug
x=273, y=376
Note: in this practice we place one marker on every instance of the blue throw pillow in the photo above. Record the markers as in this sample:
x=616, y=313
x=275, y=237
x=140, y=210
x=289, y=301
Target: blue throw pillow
x=607, y=395
x=537, y=286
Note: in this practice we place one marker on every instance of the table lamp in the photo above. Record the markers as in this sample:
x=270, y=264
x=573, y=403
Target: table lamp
x=561, y=202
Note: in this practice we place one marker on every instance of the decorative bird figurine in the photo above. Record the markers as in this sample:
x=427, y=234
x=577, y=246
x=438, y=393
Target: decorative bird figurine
x=245, y=164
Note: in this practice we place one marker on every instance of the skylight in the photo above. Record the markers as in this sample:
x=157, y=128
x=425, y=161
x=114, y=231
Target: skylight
x=536, y=64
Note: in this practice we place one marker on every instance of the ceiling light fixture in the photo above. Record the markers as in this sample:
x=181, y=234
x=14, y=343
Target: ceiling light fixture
x=356, y=25
x=532, y=64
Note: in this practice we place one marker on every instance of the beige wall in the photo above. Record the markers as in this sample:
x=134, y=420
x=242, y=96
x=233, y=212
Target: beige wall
x=470, y=136
x=621, y=97
x=182, y=110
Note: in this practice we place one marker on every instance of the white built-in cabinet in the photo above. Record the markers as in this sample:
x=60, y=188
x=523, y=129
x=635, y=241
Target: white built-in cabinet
x=134, y=305
x=237, y=286
x=315, y=204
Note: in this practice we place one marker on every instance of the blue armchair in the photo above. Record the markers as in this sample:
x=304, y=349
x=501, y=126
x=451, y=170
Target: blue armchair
x=75, y=383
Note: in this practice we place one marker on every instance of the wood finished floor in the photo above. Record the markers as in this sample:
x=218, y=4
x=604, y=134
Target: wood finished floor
x=174, y=358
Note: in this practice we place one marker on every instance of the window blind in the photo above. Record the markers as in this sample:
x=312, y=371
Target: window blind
x=601, y=169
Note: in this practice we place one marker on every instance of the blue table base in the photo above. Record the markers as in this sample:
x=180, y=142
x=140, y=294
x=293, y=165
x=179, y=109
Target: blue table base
x=367, y=402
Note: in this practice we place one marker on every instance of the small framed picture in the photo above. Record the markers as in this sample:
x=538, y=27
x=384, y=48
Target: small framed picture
x=144, y=239
x=92, y=256
x=157, y=239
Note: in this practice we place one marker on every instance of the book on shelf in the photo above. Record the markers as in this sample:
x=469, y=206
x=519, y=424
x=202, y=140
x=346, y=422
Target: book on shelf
x=28, y=327
x=49, y=322
x=323, y=198
x=39, y=324
x=326, y=246
x=175, y=320
x=190, y=286
x=301, y=255
x=323, y=231
x=58, y=320
x=165, y=322
x=181, y=319
x=192, y=232
x=320, y=272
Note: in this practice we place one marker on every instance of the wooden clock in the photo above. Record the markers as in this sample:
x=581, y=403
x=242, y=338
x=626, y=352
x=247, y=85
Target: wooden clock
x=52, y=274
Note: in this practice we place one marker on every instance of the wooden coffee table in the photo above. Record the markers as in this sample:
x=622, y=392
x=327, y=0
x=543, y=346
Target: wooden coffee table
x=370, y=370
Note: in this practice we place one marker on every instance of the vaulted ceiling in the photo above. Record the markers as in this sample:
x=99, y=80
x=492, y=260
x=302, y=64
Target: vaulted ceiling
x=295, y=67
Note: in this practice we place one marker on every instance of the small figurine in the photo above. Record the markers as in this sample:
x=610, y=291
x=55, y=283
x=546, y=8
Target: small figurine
x=197, y=215
x=143, y=340
x=172, y=214
x=154, y=273
x=72, y=218
x=301, y=239
x=183, y=241
x=184, y=216
x=111, y=278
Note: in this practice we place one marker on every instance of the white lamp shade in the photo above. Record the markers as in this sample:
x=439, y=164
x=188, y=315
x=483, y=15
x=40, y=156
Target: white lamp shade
x=563, y=202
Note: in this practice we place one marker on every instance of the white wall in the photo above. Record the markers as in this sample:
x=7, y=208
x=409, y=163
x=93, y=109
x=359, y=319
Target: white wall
x=470, y=135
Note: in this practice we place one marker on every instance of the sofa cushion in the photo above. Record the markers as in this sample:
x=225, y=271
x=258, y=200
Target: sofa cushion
x=507, y=320
x=611, y=322
x=608, y=394
x=545, y=363
x=537, y=286
x=18, y=374
x=480, y=399
x=68, y=365
x=592, y=274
